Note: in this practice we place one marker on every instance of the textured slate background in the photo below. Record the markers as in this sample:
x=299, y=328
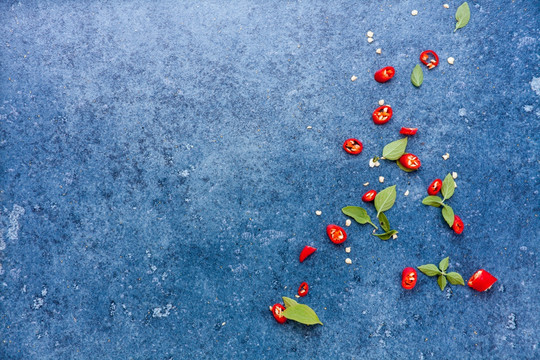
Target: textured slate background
x=158, y=178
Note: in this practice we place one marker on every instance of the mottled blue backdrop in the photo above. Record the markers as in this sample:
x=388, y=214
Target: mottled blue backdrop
x=162, y=162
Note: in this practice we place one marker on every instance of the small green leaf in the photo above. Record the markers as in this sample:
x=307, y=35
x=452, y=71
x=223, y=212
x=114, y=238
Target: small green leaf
x=395, y=149
x=429, y=270
x=442, y=282
x=463, y=15
x=448, y=214
x=434, y=201
x=400, y=165
x=417, y=76
x=455, y=278
x=443, y=265
x=359, y=214
x=385, y=199
x=387, y=235
x=448, y=187
x=289, y=302
x=385, y=224
x=375, y=159
x=302, y=314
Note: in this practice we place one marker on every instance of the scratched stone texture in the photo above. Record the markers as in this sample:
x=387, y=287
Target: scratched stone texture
x=162, y=162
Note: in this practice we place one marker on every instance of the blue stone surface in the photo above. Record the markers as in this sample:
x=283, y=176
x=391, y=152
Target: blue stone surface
x=158, y=178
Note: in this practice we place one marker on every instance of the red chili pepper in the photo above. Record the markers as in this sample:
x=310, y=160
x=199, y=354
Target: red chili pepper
x=410, y=161
x=353, y=146
x=369, y=196
x=336, y=234
x=430, y=63
x=303, y=289
x=408, y=131
x=435, y=187
x=306, y=251
x=277, y=309
x=481, y=280
x=458, y=225
x=382, y=115
x=408, y=278
x=385, y=74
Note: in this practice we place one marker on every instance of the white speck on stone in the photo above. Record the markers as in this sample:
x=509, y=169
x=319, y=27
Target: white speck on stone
x=523, y=248
x=347, y=250
x=318, y=212
x=378, y=51
x=370, y=40
x=38, y=303
x=348, y=261
x=511, y=323
x=406, y=193
x=366, y=184
x=44, y=292
x=184, y=173
x=354, y=78
x=2, y=242
x=348, y=222
x=454, y=175
x=381, y=179
x=446, y=156
x=414, y=12
x=1, y=269
x=159, y=312
x=381, y=102
x=223, y=323
x=462, y=112
x=446, y=6
x=14, y=226
x=528, y=108
x=535, y=85
x=369, y=34
x=451, y=60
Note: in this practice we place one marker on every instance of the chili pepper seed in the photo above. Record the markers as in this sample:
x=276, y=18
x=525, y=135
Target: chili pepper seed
x=370, y=40
x=378, y=51
x=406, y=193
x=309, y=127
x=446, y=156
x=414, y=12
x=347, y=250
x=381, y=102
x=369, y=34
x=318, y=212
x=451, y=60
x=446, y=6
x=394, y=236
x=354, y=77
x=366, y=184
x=348, y=222
x=348, y=261
x=381, y=179
x=454, y=175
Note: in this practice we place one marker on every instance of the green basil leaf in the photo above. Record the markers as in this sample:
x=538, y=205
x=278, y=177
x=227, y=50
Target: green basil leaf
x=442, y=282
x=463, y=15
x=302, y=314
x=434, y=201
x=448, y=214
x=429, y=270
x=383, y=220
x=403, y=167
x=385, y=199
x=443, y=265
x=359, y=214
x=387, y=235
x=455, y=278
x=448, y=187
x=289, y=302
x=395, y=149
x=417, y=76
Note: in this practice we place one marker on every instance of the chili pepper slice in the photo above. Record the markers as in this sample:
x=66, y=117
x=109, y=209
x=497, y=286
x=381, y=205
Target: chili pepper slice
x=410, y=161
x=306, y=251
x=458, y=225
x=277, y=310
x=481, y=280
x=434, y=187
x=382, y=114
x=425, y=59
x=408, y=131
x=303, y=289
x=385, y=74
x=369, y=196
x=408, y=278
x=353, y=146
x=336, y=234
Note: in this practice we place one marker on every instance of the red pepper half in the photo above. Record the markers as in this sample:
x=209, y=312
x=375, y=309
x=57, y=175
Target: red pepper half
x=385, y=74
x=458, y=225
x=353, y=146
x=435, y=187
x=303, y=289
x=410, y=161
x=408, y=131
x=408, y=278
x=425, y=59
x=336, y=234
x=481, y=280
x=369, y=196
x=306, y=251
x=277, y=309
x=382, y=115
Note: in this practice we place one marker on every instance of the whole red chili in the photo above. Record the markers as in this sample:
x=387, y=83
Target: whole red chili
x=434, y=187
x=425, y=59
x=458, y=225
x=481, y=280
x=408, y=131
x=353, y=146
x=303, y=289
x=369, y=196
x=382, y=115
x=336, y=234
x=277, y=311
x=410, y=161
x=385, y=74
x=306, y=251
x=408, y=278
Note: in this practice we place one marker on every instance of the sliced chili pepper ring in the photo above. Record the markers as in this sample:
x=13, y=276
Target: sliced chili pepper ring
x=429, y=62
x=336, y=234
x=408, y=131
x=277, y=311
x=369, y=196
x=382, y=114
x=481, y=280
x=303, y=289
x=408, y=278
x=410, y=161
x=353, y=146
x=458, y=225
x=435, y=187
x=306, y=251
x=384, y=74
